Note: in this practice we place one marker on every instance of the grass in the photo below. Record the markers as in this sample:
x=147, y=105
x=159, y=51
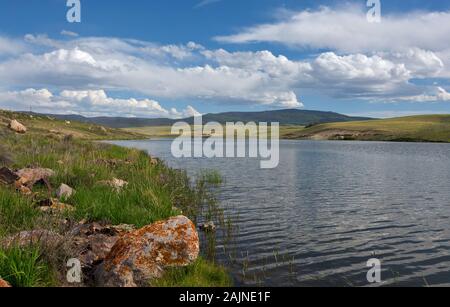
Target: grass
x=200, y=274
x=211, y=177
x=58, y=129
x=154, y=192
x=25, y=267
x=425, y=128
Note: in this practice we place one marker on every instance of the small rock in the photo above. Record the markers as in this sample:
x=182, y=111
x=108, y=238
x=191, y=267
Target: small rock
x=14, y=125
x=115, y=183
x=7, y=176
x=4, y=284
x=24, y=190
x=53, y=206
x=29, y=176
x=207, y=227
x=142, y=255
x=64, y=191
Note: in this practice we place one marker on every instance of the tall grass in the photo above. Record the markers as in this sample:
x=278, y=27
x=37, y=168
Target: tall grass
x=25, y=267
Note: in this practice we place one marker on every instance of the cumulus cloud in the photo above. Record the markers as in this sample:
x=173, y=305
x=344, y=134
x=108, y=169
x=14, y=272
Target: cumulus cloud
x=82, y=66
x=439, y=95
x=10, y=46
x=156, y=71
x=88, y=102
x=346, y=29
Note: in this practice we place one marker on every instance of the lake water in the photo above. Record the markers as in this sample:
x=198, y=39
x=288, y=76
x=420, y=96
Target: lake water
x=331, y=206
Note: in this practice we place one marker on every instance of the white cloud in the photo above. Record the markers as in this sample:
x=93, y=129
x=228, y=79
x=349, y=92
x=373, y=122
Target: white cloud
x=346, y=29
x=10, y=46
x=439, y=95
x=193, y=72
x=205, y=3
x=89, y=102
x=69, y=33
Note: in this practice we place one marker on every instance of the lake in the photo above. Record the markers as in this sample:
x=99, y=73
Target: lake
x=330, y=207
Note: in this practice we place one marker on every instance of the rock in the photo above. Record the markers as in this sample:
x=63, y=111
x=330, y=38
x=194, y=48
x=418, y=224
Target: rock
x=115, y=183
x=53, y=206
x=93, y=241
x=34, y=237
x=29, y=176
x=24, y=190
x=4, y=284
x=7, y=176
x=154, y=161
x=207, y=227
x=15, y=126
x=64, y=191
x=142, y=255
x=103, y=129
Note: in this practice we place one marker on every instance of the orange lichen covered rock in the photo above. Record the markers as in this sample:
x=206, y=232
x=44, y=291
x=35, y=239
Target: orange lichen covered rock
x=142, y=255
x=4, y=284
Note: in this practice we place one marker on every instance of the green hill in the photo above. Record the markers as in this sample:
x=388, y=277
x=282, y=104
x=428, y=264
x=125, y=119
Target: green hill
x=424, y=128
x=49, y=125
x=284, y=117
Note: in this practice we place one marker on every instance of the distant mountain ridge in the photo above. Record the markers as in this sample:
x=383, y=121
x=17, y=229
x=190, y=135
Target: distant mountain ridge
x=284, y=117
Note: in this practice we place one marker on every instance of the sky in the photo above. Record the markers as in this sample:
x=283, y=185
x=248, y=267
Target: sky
x=178, y=58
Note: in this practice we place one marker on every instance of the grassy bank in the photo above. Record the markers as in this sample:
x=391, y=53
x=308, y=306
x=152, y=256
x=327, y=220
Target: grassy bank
x=154, y=192
x=425, y=128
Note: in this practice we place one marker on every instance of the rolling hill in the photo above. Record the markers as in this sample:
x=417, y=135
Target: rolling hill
x=284, y=117
x=424, y=128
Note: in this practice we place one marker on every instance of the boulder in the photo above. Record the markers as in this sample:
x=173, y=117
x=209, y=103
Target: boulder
x=29, y=176
x=142, y=255
x=92, y=242
x=4, y=284
x=15, y=126
x=64, y=191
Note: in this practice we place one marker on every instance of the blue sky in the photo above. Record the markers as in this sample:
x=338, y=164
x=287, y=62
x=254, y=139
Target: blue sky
x=174, y=58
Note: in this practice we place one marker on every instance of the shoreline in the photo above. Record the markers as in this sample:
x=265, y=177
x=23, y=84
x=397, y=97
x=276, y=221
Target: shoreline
x=114, y=188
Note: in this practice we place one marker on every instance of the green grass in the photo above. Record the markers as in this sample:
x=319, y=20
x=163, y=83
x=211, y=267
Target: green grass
x=16, y=213
x=51, y=127
x=154, y=192
x=25, y=267
x=200, y=274
x=425, y=128
x=211, y=177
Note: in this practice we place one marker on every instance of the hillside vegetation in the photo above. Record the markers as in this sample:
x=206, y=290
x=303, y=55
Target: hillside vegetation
x=425, y=128
x=152, y=192
x=48, y=125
